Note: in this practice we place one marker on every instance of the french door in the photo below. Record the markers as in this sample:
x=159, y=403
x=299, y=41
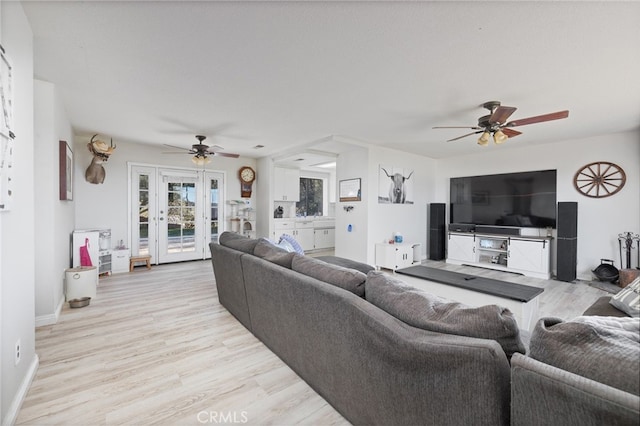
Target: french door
x=175, y=213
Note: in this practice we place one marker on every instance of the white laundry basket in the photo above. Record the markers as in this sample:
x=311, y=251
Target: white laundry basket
x=81, y=282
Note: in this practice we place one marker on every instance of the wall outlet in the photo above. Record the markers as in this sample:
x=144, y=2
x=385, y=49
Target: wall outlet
x=17, y=353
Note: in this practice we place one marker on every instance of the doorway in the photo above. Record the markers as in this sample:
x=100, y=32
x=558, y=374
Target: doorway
x=175, y=213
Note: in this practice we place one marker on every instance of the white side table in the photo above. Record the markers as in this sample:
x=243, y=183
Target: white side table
x=394, y=256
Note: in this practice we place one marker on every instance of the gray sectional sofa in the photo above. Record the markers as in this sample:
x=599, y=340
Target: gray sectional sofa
x=363, y=343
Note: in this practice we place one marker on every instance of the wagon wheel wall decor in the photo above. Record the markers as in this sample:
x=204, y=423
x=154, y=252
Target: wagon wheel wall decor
x=600, y=179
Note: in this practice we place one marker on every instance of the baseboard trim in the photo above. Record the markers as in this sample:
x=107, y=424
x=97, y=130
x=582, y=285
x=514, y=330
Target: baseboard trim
x=51, y=318
x=14, y=408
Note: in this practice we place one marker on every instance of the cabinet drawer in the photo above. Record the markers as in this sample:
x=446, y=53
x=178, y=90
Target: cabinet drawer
x=284, y=225
x=304, y=224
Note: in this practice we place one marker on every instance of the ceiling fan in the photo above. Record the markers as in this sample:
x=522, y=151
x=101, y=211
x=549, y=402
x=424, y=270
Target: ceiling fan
x=496, y=123
x=202, y=152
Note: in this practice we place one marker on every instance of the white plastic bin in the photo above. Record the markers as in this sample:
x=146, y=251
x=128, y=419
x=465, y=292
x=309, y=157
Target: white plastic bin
x=81, y=282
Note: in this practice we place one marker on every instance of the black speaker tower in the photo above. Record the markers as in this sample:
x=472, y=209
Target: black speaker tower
x=567, y=245
x=436, y=231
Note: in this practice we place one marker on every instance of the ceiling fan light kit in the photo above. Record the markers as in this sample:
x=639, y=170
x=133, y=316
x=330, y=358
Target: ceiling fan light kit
x=484, y=139
x=200, y=160
x=496, y=123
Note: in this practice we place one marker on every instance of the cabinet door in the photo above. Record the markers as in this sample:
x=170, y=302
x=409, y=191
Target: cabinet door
x=461, y=248
x=404, y=256
x=529, y=255
x=305, y=238
x=324, y=238
x=286, y=183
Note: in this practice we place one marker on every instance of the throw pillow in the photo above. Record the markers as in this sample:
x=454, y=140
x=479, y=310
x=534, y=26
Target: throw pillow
x=286, y=238
x=628, y=299
x=429, y=312
x=348, y=279
x=274, y=254
x=590, y=348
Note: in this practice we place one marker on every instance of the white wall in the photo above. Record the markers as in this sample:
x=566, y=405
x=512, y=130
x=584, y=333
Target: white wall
x=106, y=205
x=18, y=261
x=410, y=220
x=53, y=228
x=353, y=245
x=600, y=220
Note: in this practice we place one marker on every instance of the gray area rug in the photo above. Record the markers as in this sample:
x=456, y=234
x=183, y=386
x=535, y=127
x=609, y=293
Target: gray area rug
x=605, y=286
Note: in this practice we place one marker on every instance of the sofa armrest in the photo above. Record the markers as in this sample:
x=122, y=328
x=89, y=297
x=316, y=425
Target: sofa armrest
x=543, y=394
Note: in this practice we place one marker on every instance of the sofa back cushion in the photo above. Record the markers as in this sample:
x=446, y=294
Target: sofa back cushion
x=238, y=242
x=273, y=253
x=604, y=349
x=348, y=279
x=429, y=312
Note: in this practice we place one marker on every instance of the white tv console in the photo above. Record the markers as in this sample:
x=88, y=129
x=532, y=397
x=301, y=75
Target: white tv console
x=526, y=255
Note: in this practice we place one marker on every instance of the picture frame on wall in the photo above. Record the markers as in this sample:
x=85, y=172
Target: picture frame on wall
x=66, y=171
x=349, y=190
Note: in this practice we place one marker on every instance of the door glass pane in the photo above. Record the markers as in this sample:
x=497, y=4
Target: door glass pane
x=143, y=214
x=143, y=182
x=181, y=217
x=143, y=243
x=214, y=197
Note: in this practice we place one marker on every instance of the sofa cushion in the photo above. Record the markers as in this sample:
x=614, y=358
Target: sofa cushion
x=429, y=312
x=238, y=242
x=273, y=253
x=347, y=263
x=628, y=299
x=604, y=349
x=348, y=279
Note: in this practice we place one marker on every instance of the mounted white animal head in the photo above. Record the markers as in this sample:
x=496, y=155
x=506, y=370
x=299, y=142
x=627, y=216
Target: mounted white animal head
x=397, y=189
x=101, y=151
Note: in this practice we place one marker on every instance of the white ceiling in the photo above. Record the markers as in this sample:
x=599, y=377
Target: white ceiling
x=287, y=74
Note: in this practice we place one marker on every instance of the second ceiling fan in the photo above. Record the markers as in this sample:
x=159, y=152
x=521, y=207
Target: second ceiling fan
x=202, y=152
x=496, y=123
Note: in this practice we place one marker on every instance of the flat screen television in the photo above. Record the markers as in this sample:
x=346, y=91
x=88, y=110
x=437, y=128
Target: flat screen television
x=525, y=199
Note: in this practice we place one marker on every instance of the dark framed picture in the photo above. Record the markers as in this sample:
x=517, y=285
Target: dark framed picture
x=350, y=190
x=66, y=171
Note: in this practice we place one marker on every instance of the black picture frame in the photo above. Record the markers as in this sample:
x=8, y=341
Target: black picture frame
x=66, y=171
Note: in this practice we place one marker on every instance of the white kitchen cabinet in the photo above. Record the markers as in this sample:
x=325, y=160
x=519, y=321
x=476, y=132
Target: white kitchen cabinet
x=286, y=184
x=394, y=256
x=324, y=238
x=304, y=237
x=461, y=248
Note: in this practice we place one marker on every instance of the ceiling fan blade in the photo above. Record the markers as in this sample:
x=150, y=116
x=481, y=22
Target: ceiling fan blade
x=539, y=118
x=510, y=132
x=215, y=148
x=177, y=147
x=225, y=154
x=502, y=114
x=457, y=127
x=464, y=136
x=181, y=153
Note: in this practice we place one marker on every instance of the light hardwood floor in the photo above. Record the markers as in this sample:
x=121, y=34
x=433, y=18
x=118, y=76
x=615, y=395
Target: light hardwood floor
x=155, y=347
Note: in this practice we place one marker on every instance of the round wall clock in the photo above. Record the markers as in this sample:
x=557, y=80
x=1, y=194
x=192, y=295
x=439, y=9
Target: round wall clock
x=600, y=179
x=247, y=176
